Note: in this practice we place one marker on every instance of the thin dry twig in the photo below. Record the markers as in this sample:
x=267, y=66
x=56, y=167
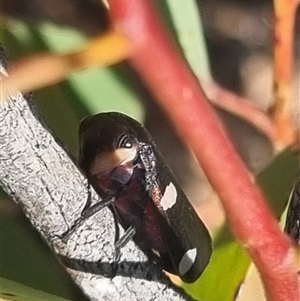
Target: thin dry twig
x=241, y=107
x=285, y=13
x=50, y=68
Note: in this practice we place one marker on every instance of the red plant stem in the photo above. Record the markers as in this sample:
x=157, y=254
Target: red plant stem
x=180, y=96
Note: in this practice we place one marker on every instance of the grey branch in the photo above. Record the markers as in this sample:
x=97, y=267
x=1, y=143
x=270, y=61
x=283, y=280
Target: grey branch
x=44, y=181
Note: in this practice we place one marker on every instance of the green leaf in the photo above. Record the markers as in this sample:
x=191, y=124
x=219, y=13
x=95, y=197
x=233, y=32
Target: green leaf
x=278, y=178
x=101, y=89
x=27, y=260
x=230, y=263
x=11, y=290
x=185, y=19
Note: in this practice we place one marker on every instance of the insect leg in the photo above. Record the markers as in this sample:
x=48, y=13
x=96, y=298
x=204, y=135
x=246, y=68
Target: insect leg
x=117, y=236
x=117, y=227
x=85, y=214
x=89, y=197
x=88, y=212
x=120, y=243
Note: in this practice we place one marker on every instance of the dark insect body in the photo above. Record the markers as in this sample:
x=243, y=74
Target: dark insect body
x=292, y=226
x=124, y=166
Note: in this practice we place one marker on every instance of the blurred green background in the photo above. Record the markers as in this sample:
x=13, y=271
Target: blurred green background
x=213, y=51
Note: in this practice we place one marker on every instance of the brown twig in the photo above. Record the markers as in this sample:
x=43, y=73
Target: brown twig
x=50, y=68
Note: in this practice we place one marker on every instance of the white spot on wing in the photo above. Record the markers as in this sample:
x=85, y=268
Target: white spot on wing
x=155, y=252
x=169, y=198
x=187, y=261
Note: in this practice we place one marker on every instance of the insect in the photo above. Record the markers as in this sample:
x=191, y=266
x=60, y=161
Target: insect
x=292, y=226
x=123, y=164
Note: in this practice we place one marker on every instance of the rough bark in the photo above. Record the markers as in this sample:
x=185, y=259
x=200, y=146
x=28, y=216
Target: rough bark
x=43, y=180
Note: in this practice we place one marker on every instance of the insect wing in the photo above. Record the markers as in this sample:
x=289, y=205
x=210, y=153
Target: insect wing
x=185, y=235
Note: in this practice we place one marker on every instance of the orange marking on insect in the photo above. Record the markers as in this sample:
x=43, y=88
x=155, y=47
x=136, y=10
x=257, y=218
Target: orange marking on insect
x=156, y=195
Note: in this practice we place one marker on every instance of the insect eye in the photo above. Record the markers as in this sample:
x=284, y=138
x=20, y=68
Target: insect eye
x=124, y=141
